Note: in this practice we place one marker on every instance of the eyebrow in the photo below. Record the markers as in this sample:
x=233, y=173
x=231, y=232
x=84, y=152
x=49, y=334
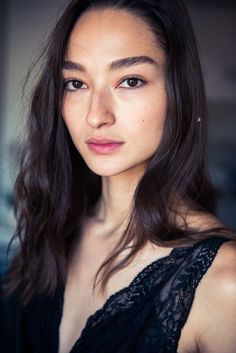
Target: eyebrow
x=117, y=64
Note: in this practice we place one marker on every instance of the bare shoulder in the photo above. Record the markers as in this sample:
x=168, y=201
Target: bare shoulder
x=224, y=268
x=221, y=276
x=215, y=304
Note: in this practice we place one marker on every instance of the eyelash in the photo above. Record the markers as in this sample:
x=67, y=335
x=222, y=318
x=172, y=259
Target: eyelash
x=68, y=81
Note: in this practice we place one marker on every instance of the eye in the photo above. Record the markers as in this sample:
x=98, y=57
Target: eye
x=73, y=85
x=133, y=82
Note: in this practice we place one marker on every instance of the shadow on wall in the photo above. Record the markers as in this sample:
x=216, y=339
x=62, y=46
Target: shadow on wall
x=222, y=160
x=223, y=173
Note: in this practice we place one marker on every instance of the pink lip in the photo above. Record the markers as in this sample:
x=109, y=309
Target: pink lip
x=102, y=141
x=103, y=145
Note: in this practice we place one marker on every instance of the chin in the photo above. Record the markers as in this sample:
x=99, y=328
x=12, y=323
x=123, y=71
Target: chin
x=111, y=169
x=106, y=171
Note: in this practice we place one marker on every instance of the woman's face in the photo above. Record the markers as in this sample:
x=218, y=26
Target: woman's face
x=114, y=103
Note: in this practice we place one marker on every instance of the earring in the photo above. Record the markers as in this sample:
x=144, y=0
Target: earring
x=199, y=119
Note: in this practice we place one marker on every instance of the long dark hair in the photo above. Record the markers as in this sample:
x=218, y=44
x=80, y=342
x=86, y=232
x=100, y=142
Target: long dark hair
x=55, y=189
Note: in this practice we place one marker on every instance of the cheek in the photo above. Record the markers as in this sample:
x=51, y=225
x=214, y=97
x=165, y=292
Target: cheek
x=150, y=131
x=150, y=116
x=71, y=116
x=67, y=110
x=149, y=124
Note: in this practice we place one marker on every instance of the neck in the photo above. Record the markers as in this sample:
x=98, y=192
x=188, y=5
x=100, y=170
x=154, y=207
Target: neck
x=117, y=196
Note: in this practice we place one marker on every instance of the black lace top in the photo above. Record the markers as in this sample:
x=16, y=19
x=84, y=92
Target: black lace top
x=145, y=317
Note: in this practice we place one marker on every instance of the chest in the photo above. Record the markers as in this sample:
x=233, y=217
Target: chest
x=80, y=302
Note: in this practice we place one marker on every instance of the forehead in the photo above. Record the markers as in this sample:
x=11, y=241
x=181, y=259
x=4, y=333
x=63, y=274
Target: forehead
x=111, y=33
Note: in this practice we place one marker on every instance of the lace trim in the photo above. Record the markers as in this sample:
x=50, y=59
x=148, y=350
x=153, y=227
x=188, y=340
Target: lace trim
x=126, y=298
x=183, y=290
x=193, y=261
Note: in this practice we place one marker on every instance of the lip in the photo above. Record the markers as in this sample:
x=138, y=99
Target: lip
x=102, y=141
x=103, y=145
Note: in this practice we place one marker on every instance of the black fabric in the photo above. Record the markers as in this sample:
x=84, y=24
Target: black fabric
x=145, y=317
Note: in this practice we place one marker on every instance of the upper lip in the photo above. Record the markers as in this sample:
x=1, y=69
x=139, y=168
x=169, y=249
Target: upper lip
x=102, y=141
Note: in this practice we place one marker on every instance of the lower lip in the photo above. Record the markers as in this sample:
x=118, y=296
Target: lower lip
x=104, y=148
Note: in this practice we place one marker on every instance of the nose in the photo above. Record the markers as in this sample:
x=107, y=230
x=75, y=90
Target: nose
x=100, y=112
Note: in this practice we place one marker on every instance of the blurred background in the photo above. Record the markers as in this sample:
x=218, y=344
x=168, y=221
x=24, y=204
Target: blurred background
x=25, y=26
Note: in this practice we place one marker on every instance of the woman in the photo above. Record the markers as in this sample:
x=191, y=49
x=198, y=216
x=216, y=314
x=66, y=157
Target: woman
x=114, y=204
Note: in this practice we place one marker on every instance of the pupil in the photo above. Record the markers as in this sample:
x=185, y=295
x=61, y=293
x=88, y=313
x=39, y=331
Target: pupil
x=132, y=82
x=76, y=84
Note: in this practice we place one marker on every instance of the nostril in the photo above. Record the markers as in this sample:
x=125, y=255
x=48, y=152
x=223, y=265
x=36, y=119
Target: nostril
x=98, y=118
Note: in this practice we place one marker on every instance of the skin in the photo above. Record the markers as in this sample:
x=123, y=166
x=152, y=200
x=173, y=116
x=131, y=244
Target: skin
x=106, y=105
x=100, y=103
